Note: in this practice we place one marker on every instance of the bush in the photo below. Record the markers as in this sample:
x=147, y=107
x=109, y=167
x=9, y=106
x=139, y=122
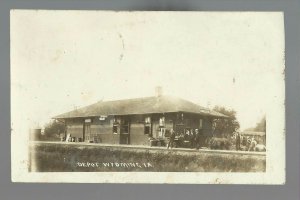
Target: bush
x=219, y=143
x=54, y=128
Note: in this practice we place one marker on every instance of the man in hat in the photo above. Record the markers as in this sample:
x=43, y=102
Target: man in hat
x=171, y=139
x=197, y=139
x=192, y=139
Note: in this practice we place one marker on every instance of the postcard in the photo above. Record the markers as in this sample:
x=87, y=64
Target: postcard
x=178, y=97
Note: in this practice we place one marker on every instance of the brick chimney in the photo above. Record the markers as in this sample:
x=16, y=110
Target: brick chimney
x=158, y=91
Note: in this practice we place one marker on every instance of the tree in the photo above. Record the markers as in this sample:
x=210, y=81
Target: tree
x=260, y=126
x=225, y=125
x=54, y=128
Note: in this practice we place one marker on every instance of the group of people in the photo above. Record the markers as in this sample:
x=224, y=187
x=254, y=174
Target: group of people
x=250, y=143
x=191, y=138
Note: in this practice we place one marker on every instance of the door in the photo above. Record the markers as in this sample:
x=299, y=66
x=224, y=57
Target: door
x=87, y=131
x=125, y=131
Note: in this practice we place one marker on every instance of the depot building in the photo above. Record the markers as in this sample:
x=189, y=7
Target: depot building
x=134, y=121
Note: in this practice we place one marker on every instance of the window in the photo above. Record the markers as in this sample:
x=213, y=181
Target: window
x=102, y=117
x=147, y=130
x=87, y=132
x=161, y=132
x=88, y=120
x=124, y=126
x=115, y=129
x=115, y=124
x=179, y=118
x=147, y=120
x=115, y=120
x=162, y=121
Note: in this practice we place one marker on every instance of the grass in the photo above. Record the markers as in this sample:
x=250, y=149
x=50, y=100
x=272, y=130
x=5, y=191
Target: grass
x=71, y=158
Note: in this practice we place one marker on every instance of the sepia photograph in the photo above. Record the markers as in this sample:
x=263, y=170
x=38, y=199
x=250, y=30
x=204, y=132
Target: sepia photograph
x=147, y=97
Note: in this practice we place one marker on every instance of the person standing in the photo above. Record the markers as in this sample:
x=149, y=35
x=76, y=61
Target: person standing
x=186, y=139
x=197, y=139
x=171, y=139
x=253, y=143
x=192, y=139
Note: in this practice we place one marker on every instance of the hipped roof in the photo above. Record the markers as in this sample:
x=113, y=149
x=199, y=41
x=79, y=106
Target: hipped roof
x=253, y=133
x=146, y=105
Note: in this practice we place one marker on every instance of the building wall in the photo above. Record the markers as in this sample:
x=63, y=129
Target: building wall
x=168, y=124
x=188, y=121
x=75, y=127
x=192, y=121
x=207, y=126
x=137, y=135
x=102, y=130
x=137, y=130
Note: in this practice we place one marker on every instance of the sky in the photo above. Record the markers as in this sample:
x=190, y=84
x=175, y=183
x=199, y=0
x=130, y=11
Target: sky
x=61, y=60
